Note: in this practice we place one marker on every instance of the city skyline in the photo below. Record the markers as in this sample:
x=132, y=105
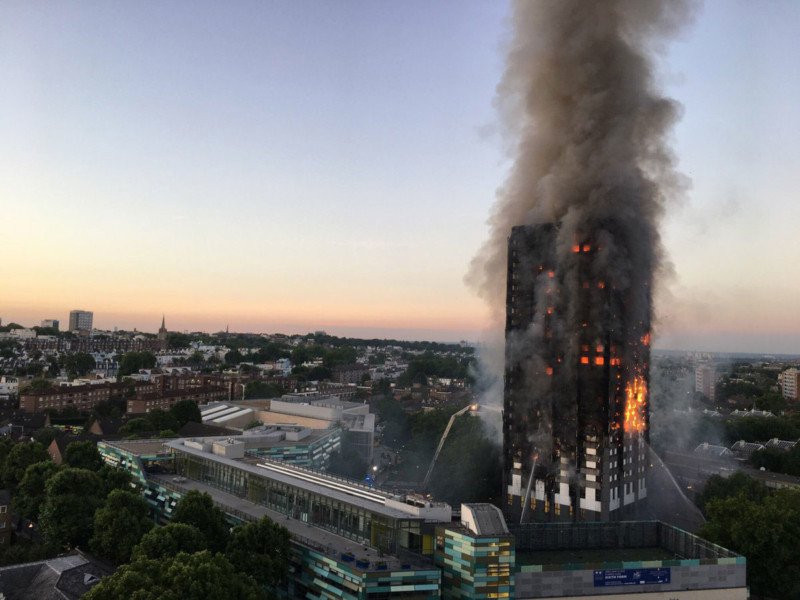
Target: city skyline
x=259, y=168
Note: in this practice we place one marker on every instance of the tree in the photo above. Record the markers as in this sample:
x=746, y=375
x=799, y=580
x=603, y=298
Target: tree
x=261, y=550
x=345, y=355
x=177, y=341
x=198, y=576
x=767, y=532
x=119, y=525
x=83, y=455
x=31, y=491
x=760, y=429
x=319, y=373
x=67, y=514
x=137, y=425
x=78, y=364
x=161, y=419
x=113, y=478
x=166, y=542
x=262, y=389
x=234, y=357
x=197, y=509
x=19, y=458
x=469, y=466
x=195, y=359
x=738, y=484
x=185, y=411
x=133, y=361
x=46, y=436
x=778, y=461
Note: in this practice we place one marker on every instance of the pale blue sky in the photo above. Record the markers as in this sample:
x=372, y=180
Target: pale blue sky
x=330, y=165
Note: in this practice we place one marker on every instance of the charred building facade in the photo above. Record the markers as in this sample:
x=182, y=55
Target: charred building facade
x=575, y=418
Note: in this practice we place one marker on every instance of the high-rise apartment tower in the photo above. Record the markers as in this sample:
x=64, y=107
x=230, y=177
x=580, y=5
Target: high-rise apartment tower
x=575, y=419
x=80, y=320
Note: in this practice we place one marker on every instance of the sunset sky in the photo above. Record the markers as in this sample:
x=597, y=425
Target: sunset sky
x=294, y=166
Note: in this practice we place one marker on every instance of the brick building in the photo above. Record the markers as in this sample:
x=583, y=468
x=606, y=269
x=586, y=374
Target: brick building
x=166, y=399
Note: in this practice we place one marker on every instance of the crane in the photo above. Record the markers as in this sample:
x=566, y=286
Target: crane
x=442, y=440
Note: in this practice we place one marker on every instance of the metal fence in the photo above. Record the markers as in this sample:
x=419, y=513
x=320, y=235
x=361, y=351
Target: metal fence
x=621, y=534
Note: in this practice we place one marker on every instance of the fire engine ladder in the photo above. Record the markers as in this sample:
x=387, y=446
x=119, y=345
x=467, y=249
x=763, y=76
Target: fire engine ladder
x=441, y=444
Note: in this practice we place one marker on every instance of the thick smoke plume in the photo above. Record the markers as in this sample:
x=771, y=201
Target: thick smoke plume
x=588, y=131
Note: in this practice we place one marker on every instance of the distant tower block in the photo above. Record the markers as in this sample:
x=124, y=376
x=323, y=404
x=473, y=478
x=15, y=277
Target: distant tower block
x=575, y=419
x=80, y=320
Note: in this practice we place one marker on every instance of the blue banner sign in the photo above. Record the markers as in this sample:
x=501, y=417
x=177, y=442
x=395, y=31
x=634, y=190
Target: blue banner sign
x=608, y=578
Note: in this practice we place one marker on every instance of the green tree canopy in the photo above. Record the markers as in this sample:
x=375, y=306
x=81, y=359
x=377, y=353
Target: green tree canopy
x=166, y=542
x=778, y=461
x=186, y=411
x=760, y=429
x=113, y=478
x=83, y=455
x=78, y=364
x=119, y=525
x=469, y=467
x=420, y=368
x=261, y=550
x=234, y=357
x=262, y=389
x=46, y=435
x=197, y=509
x=137, y=425
x=71, y=498
x=31, y=490
x=133, y=361
x=766, y=532
x=738, y=484
x=162, y=419
x=177, y=341
x=344, y=355
x=19, y=458
x=199, y=576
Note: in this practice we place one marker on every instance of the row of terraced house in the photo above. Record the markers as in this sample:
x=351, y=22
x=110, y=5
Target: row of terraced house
x=141, y=396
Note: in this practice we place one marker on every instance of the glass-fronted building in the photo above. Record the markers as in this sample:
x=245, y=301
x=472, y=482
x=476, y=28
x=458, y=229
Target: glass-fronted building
x=346, y=508
x=313, y=451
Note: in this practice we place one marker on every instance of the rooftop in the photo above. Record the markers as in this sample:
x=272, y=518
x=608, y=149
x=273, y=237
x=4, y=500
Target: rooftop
x=341, y=489
x=313, y=537
x=483, y=519
x=140, y=447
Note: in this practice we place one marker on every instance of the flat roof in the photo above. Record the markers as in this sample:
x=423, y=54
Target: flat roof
x=140, y=447
x=324, y=541
x=314, y=436
x=311, y=481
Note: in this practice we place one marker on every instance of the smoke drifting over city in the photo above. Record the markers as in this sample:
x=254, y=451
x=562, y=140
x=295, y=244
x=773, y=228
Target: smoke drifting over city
x=588, y=130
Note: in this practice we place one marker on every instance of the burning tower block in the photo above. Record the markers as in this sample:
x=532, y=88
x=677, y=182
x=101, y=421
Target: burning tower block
x=575, y=419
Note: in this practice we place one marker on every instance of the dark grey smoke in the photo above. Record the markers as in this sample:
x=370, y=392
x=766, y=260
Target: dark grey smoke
x=588, y=129
x=588, y=132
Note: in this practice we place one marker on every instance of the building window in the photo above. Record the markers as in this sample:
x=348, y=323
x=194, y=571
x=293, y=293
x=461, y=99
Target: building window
x=3, y=510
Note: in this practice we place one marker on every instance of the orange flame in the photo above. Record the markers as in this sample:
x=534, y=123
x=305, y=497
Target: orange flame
x=635, y=403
